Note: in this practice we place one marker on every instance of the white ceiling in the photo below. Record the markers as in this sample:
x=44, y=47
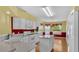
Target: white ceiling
x=60, y=12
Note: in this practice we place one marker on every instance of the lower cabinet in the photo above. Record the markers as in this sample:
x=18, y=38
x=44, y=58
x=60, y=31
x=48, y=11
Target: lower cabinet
x=4, y=37
x=33, y=39
x=46, y=44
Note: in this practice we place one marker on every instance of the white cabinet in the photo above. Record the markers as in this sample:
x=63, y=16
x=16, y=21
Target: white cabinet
x=21, y=23
x=46, y=44
x=18, y=23
x=4, y=37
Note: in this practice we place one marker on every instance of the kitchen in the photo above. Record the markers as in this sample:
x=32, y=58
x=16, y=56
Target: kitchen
x=34, y=28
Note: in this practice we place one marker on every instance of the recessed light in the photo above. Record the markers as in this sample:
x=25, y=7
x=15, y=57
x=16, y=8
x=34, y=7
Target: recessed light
x=8, y=12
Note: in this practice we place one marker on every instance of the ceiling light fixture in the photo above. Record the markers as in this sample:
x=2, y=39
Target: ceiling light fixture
x=47, y=11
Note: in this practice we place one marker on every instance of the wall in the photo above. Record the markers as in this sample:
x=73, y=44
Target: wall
x=16, y=12
x=64, y=26
x=4, y=24
x=72, y=32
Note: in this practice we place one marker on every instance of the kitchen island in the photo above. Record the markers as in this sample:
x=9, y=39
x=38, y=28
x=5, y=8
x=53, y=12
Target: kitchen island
x=45, y=44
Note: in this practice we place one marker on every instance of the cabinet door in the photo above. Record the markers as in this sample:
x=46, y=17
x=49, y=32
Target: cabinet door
x=19, y=23
x=22, y=23
x=31, y=41
x=34, y=25
x=46, y=45
x=16, y=23
x=28, y=24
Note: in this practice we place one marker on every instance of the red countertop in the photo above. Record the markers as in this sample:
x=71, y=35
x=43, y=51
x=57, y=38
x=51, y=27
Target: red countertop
x=63, y=34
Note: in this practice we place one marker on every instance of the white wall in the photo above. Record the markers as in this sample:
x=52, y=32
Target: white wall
x=72, y=32
x=76, y=31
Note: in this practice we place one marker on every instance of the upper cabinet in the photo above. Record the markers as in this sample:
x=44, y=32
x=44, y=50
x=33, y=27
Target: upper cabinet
x=21, y=23
x=18, y=23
